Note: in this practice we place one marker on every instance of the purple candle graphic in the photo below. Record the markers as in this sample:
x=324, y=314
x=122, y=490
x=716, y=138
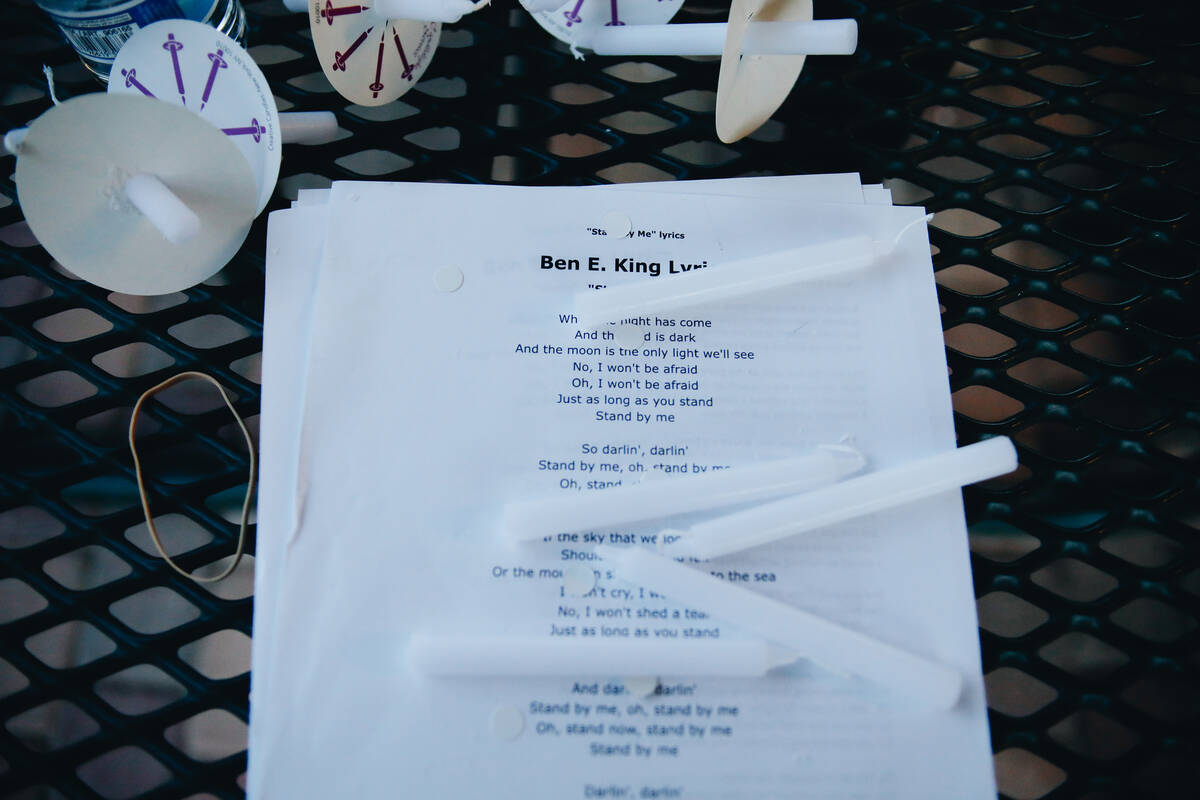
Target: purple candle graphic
x=339, y=58
x=174, y=46
x=408, y=69
x=255, y=129
x=131, y=80
x=217, y=63
x=377, y=86
x=615, y=21
x=330, y=11
x=573, y=15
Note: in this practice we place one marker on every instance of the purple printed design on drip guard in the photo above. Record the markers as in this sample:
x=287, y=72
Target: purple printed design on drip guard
x=330, y=11
x=615, y=21
x=339, y=59
x=132, y=81
x=218, y=63
x=174, y=46
x=255, y=129
x=573, y=15
x=408, y=68
x=377, y=86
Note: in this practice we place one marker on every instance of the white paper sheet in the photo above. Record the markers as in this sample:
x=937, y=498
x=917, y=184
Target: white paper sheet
x=294, y=249
x=293, y=257
x=398, y=535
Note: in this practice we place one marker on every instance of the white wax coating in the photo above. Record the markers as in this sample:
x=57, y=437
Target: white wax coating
x=533, y=6
x=725, y=281
x=296, y=5
x=162, y=208
x=14, y=139
x=528, y=656
x=307, y=127
x=822, y=37
x=855, y=497
x=826, y=37
x=834, y=647
x=426, y=10
x=654, y=499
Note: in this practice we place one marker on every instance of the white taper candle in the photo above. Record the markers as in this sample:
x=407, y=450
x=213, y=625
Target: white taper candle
x=657, y=498
x=839, y=649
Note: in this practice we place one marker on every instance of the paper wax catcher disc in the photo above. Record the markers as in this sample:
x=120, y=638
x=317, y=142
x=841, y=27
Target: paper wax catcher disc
x=191, y=64
x=571, y=16
x=751, y=87
x=70, y=178
x=370, y=60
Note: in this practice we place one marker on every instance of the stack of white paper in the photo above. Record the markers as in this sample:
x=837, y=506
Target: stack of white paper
x=423, y=368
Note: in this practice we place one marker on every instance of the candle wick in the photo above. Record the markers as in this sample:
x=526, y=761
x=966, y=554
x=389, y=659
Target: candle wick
x=49, y=73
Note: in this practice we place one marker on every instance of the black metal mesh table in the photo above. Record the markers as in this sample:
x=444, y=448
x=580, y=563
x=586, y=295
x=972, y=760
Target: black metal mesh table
x=1057, y=144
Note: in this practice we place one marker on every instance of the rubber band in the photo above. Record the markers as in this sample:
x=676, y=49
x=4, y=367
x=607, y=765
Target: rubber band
x=141, y=485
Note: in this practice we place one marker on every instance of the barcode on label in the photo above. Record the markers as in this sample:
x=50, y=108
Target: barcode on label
x=102, y=43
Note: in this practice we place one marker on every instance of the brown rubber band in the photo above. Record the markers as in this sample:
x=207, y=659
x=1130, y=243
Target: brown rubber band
x=137, y=467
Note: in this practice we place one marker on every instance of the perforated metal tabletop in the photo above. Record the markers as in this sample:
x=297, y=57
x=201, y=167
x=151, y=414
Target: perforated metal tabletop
x=1057, y=144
